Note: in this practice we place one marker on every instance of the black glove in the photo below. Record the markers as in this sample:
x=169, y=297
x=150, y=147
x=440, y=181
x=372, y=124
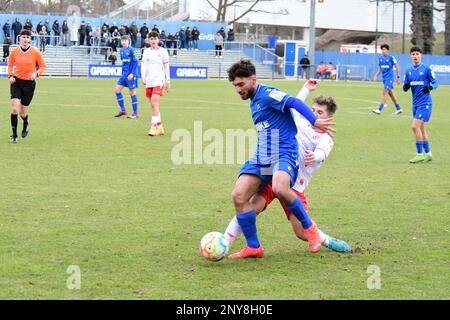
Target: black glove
x=406, y=87
x=427, y=89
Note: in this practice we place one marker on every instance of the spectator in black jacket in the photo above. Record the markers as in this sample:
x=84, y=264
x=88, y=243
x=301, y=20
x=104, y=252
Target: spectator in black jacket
x=195, y=38
x=89, y=31
x=56, y=31
x=6, y=29
x=6, y=44
x=144, y=32
x=28, y=25
x=16, y=28
x=65, y=33
x=82, y=33
x=188, y=39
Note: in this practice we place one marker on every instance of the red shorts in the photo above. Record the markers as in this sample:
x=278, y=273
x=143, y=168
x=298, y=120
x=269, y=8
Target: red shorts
x=269, y=196
x=155, y=90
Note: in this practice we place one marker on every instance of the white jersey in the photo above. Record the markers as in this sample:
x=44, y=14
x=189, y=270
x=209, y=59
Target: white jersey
x=155, y=66
x=309, y=139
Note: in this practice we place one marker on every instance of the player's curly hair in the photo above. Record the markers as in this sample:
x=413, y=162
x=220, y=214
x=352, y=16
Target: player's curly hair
x=385, y=46
x=416, y=49
x=328, y=102
x=241, y=69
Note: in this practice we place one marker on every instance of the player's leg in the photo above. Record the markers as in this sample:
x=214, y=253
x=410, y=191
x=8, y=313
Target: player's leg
x=281, y=184
x=157, y=128
x=246, y=186
x=426, y=144
x=383, y=102
x=27, y=97
x=418, y=135
x=259, y=203
x=120, y=100
x=394, y=99
x=134, y=103
x=15, y=108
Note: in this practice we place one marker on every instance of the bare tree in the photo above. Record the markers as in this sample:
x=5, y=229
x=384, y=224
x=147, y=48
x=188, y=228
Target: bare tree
x=4, y=5
x=223, y=5
x=447, y=27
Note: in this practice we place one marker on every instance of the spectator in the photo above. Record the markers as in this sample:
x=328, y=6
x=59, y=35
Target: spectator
x=195, y=37
x=39, y=27
x=113, y=27
x=28, y=25
x=6, y=45
x=48, y=29
x=6, y=29
x=65, y=33
x=182, y=35
x=123, y=31
x=133, y=32
x=82, y=32
x=74, y=35
x=155, y=28
x=305, y=64
x=218, y=40
x=321, y=69
x=188, y=35
x=230, y=38
x=330, y=72
x=163, y=38
x=16, y=28
x=222, y=33
x=89, y=34
x=176, y=43
x=56, y=31
x=144, y=32
x=43, y=38
x=105, y=24
x=115, y=39
x=96, y=37
x=112, y=57
x=169, y=42
x=104, y=36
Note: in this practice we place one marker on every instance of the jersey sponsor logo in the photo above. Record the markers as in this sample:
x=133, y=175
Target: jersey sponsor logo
x=3, y=70
x=262, y=126
x=385, y=67
x=277, y=95
x=417, y=83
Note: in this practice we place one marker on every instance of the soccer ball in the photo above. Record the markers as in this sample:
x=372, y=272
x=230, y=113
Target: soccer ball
x=214, y=246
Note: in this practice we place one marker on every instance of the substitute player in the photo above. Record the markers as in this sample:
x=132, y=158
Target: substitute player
x=155, y=73
x=25, y=59
x=387, y=64
x=128, y=79
x=314, y=148
x=276, y=157
x=421, y=80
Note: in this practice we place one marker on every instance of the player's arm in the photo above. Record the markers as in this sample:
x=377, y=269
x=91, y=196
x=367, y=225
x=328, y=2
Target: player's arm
x=305, y=111
x=397, y=71
x=40, y=63
x=322, y=151
x=167, y=71
x=406, y=83
x=11, y=62
x=134, y=63
x=307, y=88
x=434, y=84
x=144, y=68
x=377, y=74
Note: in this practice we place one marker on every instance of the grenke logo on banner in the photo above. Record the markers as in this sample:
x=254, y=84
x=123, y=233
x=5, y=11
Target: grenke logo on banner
x=115, y=71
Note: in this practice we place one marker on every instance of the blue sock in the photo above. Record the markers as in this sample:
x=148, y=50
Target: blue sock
x=426, y=146
x=298, y=210
x=134, y=102
x=381, y=107
x=120, y=101
x=419, y=146
x=397, y=106
x=247, y=222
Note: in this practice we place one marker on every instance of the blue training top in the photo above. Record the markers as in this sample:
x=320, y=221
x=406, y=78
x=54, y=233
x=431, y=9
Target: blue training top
x=129, y=61
x=387, y=66
x=419, y=78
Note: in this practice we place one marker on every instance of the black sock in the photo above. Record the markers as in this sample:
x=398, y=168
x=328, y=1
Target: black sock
x=25, y=123
x=14, y=121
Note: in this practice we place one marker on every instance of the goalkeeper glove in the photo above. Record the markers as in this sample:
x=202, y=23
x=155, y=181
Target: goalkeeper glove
x=406, y=87
x=427, y=89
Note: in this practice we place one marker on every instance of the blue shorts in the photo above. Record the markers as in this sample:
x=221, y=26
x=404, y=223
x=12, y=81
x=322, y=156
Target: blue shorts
x=422, y=112
x=265, y=172
x=123, y=81
x=388, y=84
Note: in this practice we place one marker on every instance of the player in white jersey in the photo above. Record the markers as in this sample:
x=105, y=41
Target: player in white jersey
x=314, y=148
x=155, y=73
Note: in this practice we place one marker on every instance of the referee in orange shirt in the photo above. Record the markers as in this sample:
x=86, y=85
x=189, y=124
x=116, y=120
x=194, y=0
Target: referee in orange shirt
x=25, y=59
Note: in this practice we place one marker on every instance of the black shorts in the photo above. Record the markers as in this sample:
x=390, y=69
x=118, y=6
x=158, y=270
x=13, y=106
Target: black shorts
x=23, y=90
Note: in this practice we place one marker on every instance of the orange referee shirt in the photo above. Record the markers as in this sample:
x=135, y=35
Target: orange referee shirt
x=25, y=63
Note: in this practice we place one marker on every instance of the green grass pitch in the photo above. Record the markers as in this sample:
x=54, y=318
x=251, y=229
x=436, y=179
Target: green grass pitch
x=86, y=189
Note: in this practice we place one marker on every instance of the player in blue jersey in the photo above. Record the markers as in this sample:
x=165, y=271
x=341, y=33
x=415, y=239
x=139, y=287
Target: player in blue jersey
x=421, y=80
x=128, y=79
x=387, y=64
x=276, y=156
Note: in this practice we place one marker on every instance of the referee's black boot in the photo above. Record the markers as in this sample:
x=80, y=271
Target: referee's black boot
x=25, y=133
x=14, y=139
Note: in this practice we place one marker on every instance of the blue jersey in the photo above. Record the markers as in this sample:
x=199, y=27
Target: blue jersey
x=420, y=77
x=275, y=124
x=129, y=61
x=387, y=66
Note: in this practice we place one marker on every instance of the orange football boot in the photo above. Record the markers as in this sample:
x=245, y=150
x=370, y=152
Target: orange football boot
x=313, y=236
x=248, y=252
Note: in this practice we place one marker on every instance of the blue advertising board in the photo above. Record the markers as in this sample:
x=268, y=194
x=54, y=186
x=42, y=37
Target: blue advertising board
x=3, y=69
x=115, y=71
